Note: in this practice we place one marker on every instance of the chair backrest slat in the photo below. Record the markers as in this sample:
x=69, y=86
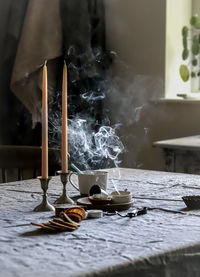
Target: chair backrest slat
x=24, y=158
x=4, y=175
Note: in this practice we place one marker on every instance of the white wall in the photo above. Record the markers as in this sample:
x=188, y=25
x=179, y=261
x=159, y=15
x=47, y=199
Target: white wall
x=195, y=7
x=136, y=31
x=178, y=15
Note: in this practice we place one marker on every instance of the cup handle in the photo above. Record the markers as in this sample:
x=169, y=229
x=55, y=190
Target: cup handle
x=70, y=175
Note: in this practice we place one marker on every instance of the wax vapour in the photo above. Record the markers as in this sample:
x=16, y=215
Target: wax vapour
x=89, y=149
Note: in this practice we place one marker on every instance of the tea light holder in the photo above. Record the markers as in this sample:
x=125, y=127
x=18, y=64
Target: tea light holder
x=64, y=198
x=45, y=206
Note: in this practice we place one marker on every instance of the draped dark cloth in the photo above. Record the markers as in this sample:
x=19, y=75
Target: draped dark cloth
x=83, y=24
x=83, y=32
x=13, y=115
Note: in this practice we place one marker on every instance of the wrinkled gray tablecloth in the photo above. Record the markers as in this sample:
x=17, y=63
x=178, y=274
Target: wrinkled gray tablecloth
x=160, y=243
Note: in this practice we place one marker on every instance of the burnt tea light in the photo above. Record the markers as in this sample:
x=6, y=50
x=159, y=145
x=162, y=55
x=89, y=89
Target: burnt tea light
x=123, y=197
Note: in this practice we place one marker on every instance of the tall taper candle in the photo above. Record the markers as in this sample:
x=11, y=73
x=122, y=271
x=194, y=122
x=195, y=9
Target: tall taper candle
x=64, y=121
x=44, y=125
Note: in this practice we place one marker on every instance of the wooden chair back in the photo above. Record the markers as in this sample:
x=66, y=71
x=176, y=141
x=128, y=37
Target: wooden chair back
x=26, y=158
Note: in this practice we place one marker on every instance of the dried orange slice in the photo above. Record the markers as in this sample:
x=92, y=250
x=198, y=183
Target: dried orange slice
x=65, y=217
x=60, y=226
x=76, y=210
x=44, y=226
x=74, y=216
x=66, y=223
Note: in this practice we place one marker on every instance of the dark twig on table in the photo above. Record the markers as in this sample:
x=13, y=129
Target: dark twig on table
x=173, y=211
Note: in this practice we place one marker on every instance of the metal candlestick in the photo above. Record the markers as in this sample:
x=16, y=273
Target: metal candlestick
x=64, y=198
x=44, y=206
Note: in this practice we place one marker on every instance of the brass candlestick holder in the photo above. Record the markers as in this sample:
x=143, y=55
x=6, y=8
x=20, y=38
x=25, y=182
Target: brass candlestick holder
x=64, y=198
x=44, y=206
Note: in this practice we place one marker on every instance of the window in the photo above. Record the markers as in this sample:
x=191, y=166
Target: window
x=178, y=14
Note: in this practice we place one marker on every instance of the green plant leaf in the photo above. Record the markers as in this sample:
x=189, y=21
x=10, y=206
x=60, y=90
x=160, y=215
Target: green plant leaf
x=184, y=41
x=185, y=31
x=195, y=39
x=195, y=48
x=193, y=74
x=185, y=54
x=197, y=24
x=184, y=72
x=194, y=62
x=193, y=19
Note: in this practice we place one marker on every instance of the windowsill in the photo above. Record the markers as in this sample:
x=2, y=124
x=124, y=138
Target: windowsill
x=177, y=100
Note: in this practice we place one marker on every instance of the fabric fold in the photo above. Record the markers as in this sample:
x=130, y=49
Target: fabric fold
x=41, y=40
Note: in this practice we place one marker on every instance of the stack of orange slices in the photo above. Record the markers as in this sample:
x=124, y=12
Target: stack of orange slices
x=76, y=214
x=70, y=219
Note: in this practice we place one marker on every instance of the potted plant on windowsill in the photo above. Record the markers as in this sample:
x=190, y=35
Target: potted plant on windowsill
x=191, y=55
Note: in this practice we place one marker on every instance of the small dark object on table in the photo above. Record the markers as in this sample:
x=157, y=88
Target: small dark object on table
x=192, y=201
x=134, y=213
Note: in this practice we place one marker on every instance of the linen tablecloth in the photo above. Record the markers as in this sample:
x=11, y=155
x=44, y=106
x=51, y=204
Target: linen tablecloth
x=164, y=242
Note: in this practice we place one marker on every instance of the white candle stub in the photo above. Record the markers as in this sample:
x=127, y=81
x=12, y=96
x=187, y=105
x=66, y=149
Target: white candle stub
x=94, y=213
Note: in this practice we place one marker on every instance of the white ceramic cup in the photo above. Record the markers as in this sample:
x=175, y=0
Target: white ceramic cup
x=89, y=179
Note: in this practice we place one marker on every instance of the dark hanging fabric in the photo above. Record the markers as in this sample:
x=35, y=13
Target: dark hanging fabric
x=41, y=39
x=97, y=19
x=83, y=27
x=83, y=24
x=15, y=120
x=83, y=31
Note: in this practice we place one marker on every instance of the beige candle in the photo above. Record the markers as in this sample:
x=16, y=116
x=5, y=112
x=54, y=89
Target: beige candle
x=64, y=121
x=44, y=125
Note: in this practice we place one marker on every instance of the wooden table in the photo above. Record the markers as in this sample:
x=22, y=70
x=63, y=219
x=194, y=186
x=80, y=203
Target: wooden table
x=181, y=154
x=164, y=242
